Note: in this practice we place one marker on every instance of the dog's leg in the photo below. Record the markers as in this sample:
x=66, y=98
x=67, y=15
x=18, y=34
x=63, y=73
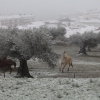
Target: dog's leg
x=10, y=69
x=60, y=66
x=5, y=71
x=69, y=66
x=63, y=68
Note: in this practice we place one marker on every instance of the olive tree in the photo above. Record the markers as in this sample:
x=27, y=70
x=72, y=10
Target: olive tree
x=87, y=39
x=98, y=37
x=26, y=44
x=59, y=31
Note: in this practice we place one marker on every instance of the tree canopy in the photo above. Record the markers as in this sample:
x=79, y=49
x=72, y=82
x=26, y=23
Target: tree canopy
x=26, y=44
x=59, y=31
x=88, y=39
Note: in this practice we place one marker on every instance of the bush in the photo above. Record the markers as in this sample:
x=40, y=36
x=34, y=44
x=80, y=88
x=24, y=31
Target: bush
x=59, y=31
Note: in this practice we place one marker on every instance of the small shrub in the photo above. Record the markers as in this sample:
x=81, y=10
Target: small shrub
x=75, y=85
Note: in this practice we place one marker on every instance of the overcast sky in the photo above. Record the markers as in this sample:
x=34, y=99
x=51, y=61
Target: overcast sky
x=46, y=9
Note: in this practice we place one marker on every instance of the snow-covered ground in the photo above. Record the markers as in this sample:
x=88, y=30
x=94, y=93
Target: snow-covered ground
x=49, y=89
x=70, y=32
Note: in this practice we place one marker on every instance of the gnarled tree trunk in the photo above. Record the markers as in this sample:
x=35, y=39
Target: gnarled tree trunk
x=23, y=70
x=82, y=51
x=88, y=48
x=83, y=48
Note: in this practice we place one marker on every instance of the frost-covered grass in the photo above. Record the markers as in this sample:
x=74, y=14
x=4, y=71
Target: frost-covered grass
x=54, y=88
x=49, y=89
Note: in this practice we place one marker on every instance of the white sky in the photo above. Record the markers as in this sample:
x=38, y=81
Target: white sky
x=46, y=9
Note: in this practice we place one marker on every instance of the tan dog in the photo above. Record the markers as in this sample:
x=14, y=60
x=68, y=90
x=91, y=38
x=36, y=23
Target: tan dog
x=66, y=60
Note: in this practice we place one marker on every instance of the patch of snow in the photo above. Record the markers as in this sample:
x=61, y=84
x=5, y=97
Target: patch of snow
x=90, y=21
x=70, y=32
x=38, y=23
x=51, y=25
x=4, y=27
x=22, y=27
x=49, y=89
x=52, y=21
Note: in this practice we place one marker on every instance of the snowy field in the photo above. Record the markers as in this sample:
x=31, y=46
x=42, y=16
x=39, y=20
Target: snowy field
x=49, y=89
x=55, y=88
x=60, y=88
x=80, y=30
